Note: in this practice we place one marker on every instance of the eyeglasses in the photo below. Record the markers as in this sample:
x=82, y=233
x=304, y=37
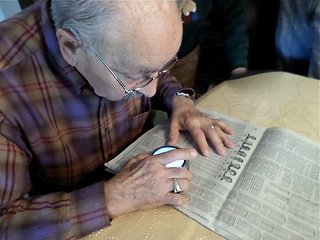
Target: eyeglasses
x=147, y=79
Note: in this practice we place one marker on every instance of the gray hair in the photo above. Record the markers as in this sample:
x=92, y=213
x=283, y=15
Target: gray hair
x=86, y=19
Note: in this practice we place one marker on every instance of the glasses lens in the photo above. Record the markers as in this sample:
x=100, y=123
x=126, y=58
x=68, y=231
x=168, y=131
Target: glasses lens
x=149, y=77
x=146, y=80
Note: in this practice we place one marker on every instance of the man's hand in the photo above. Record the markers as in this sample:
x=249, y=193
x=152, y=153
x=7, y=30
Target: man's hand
x=145, y=182
x=185, y=116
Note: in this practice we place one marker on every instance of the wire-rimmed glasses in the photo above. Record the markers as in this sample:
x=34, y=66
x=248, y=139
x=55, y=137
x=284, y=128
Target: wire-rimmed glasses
x=147, y=77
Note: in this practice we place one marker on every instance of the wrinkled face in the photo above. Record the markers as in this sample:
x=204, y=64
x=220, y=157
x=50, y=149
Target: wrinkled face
x=145, y=37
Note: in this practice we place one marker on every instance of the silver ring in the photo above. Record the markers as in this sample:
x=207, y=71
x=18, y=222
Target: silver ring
x=177, y=188
x=212, y=126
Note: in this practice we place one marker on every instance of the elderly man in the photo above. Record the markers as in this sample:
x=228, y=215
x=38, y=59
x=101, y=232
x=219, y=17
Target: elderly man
x=72, y=96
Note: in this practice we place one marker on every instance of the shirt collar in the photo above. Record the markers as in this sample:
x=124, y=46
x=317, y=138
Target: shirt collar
x=67, y=72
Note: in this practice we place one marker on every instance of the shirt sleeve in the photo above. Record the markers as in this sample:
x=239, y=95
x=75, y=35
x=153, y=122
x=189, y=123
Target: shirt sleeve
x=59, y=215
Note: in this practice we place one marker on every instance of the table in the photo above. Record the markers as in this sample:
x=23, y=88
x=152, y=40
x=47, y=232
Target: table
x=268, y=99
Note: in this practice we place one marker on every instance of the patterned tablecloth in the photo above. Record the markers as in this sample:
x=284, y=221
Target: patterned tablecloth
x=268, y=99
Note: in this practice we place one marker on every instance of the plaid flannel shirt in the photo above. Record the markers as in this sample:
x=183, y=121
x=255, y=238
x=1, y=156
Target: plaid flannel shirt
x=56, y=134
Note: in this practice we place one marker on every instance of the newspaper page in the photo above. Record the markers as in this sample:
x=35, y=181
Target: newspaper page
x=277, y=195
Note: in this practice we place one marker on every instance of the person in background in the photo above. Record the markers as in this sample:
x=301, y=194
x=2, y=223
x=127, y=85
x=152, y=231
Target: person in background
x=232, y=17
x=77, y=83
x=298, y=37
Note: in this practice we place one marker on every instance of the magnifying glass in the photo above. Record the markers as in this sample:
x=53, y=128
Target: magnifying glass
x=177, y=163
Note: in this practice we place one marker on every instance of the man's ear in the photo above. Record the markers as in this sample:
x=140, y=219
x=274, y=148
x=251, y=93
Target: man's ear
x=68, y=44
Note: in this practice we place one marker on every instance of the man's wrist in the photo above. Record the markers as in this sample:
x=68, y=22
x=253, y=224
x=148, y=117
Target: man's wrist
x=180, y=100
x=187, y=92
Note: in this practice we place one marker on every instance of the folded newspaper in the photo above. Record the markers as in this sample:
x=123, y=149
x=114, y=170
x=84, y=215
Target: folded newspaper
x=266, y=187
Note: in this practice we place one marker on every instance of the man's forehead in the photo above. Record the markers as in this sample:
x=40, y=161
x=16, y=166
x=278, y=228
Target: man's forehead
x=145, y=36
x=148, y=42
x=136, y=17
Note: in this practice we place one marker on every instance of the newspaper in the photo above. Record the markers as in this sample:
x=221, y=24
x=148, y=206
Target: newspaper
x=266, y=187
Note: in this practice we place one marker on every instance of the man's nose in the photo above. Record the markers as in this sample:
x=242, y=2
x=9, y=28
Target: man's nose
x=150, y=90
